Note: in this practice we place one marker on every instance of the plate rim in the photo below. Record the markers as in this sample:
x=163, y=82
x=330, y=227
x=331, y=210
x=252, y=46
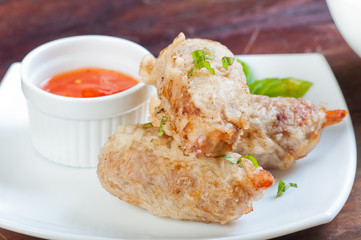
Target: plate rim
x=322, y=218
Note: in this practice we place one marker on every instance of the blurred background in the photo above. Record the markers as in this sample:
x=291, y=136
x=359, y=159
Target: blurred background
x=245, y=26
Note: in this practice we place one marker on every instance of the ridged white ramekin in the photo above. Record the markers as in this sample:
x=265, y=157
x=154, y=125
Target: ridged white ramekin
x=69, y=130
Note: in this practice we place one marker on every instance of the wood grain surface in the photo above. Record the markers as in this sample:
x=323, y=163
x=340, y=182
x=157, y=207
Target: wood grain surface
x=245, y=26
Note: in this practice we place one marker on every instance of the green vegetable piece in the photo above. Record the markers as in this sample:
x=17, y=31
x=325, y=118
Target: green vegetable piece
x=229, y=158
x=233, y=160
x=208, y=66
x=247, y=71
x=285, y=87
x=147, y=125
x=226, y=61
x=161, y=131
x=253, y=159
x=199, y=60
x=191, y=72
x=198, y=57
x=282, y=187
x=239, y=162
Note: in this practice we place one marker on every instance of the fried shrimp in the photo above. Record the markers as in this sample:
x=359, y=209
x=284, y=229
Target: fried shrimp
x=206, y=110
x=151, y=172
x=283, y=130
x=211, y=114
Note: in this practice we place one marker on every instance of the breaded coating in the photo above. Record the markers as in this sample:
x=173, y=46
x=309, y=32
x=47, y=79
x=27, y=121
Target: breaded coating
x=282, y=130
x=151, y=172
x=206, y=110
x=213, y=114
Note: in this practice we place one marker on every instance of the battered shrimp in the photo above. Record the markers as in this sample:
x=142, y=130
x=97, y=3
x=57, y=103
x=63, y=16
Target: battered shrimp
x=210, y=114
x=151, y=172
x=283, y=130
x=205, y=110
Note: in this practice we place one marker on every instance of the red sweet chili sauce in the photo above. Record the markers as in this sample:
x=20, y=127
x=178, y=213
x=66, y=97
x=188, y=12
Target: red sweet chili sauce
x=88, y=82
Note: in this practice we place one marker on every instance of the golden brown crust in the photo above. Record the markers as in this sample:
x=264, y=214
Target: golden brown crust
x=206, y=111
x=213, y=114
x=281, y=131
x=149, y=171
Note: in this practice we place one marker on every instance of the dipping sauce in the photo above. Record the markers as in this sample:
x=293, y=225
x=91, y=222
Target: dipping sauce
x=88, y=82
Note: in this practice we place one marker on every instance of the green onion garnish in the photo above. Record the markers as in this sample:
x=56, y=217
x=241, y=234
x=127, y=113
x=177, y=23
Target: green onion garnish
x=239, y=162
x=253, y=160
x=226, y=61
x=282, y=187
x=199, y=60
x=161, y=131
x=191, y=72
x=233, y=160
x=229, y=158
x=147, y=125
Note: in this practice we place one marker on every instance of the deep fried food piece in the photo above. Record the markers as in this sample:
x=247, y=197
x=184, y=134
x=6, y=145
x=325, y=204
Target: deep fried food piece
x=145, y=170
x=283, y=130
x=206, y=111
x=203, y=109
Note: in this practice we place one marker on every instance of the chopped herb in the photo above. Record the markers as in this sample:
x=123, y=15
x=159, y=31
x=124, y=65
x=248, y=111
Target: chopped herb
x=229, y=158
x=208, y=66
x=253, y=159
x=198, y=57
x=191, y=72
x=147, y=125
x=239, y=162
x=233, y=160
x=226, y=61
x=199, y=60
x=282, y=187
x=161, y=131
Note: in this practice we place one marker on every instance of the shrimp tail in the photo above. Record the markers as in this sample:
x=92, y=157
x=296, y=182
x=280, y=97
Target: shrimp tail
x=333, y=117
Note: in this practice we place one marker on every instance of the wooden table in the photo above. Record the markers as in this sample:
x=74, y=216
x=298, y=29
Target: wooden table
x=246, y=27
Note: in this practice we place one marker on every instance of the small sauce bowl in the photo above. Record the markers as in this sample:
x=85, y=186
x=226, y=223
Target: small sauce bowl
x=69, y=130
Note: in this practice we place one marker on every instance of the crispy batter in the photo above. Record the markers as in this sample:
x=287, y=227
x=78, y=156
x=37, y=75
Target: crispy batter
x=211, y=114
x=206, y=111
x=282, y=130
x=143, y=169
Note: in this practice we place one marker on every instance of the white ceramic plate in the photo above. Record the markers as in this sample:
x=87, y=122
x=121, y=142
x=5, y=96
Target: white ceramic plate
x=43, y=199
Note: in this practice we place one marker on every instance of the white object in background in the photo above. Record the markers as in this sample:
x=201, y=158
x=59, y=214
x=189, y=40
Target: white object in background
x=70, y=130
x=347, y=16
